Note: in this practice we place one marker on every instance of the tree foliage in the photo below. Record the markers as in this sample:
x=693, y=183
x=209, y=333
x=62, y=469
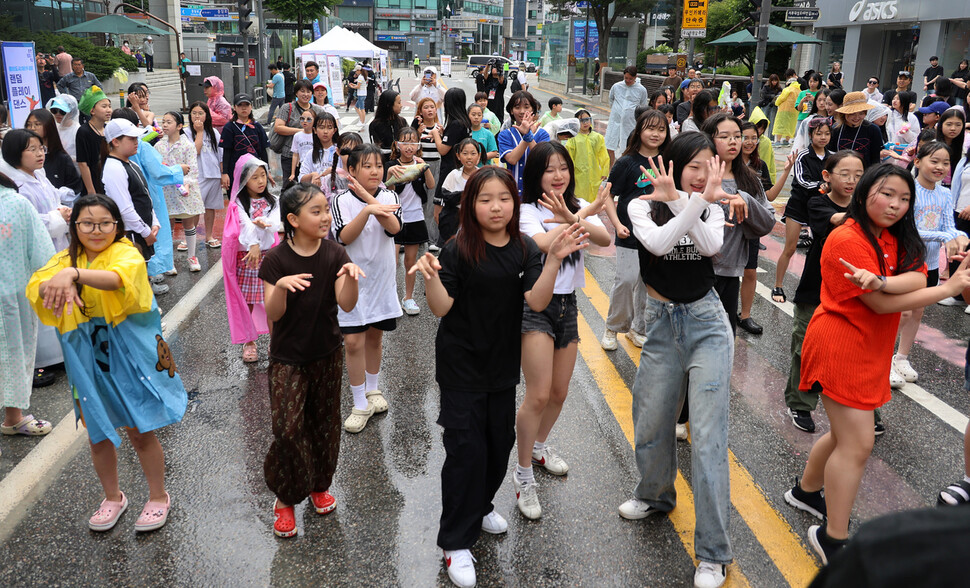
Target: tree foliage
x=725, y=17
x=599, y=12
x=300, y=11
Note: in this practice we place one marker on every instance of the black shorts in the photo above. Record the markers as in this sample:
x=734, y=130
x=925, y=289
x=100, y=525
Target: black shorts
x=754, y=247
x=932, y=277
x=797, y=208
x=558, y=320
x=414, y=233
x=384, y=325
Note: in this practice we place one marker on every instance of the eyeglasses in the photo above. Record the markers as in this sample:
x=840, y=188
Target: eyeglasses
x=585, y=119
x=747, y=140
x=87, y=227
x=819, y=121
x=40, y=149
x=728, y=138
x=846, y=176
x=415, y=145
x=872, y=82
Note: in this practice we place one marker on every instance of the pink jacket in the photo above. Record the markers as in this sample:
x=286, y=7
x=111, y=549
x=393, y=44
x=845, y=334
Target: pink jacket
x=218, y=105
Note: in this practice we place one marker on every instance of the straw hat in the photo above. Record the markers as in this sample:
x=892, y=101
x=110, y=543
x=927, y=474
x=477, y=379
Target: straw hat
x=854, y=102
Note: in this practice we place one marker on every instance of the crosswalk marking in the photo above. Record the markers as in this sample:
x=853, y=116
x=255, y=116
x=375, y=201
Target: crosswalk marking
x=772, y=531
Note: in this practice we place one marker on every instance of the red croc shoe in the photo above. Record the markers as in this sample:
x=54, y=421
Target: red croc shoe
x=285, y=525
x=323, y=502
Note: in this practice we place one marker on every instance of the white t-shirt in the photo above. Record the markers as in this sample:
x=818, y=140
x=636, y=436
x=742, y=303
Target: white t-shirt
x=308, y=166
x=211, y=157
x=373, y=250
x=250, y=234
x=572, y=273
x=411, y=210
x=455, y=182
x=302, y=145
x=362, y=90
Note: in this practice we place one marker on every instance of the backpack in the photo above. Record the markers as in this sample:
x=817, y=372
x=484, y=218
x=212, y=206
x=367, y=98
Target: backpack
x=515, y=86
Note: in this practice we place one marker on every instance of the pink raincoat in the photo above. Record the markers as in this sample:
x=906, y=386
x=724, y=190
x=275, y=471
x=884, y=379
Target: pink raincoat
x=218, y=105
x=244, y=326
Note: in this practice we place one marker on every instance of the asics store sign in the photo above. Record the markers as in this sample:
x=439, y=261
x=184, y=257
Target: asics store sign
x=866, y=11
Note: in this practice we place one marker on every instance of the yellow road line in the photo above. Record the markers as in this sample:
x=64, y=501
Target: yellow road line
x=619, y=398
x=776, y=536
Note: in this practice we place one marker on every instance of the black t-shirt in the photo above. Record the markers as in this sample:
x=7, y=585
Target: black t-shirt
x=496, y=102
x=88, y=144
x=308, y=330
x=453, y=134
x=682, y=274
x=62, y=171
x=958, y=92
x=384, y=132
x=629, y=183
x=820, y=211
x=481, y=351
x=866, y=139
x=835, y=80
x=683, y=111
x=932, y=72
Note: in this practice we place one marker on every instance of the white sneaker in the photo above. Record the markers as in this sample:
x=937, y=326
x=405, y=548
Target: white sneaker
x=527, y=498
x=967, y=310
x=461, y=567
x=494, y=523
x=904, y=369
x=172, y=272
x=194, y=265
x=896, y=381
x=410, y=307
x=709, y=575
x=635, y=509
x=433, y=248
x=950, y=301
x=550, y=460
x=636, y=338
x=608, y=342
x=681, y=431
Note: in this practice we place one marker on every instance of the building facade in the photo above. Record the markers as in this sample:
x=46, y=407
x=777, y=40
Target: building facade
x=404, y=27
x=882, y=38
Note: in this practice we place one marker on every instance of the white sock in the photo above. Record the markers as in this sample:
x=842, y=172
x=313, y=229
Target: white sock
x=370, y=380
x=524, y=475
x=538, y=446
x=190, y=240
x=360, y=397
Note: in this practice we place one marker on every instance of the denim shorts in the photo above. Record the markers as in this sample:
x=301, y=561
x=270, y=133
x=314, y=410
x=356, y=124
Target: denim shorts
x=360, y=101
x=558, y=320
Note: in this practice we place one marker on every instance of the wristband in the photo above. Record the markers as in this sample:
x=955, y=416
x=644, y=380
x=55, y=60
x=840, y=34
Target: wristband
x=882, y=286
x=78, y=276
x=529, y=137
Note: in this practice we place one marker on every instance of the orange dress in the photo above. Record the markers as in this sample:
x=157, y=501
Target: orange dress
x=848, y=347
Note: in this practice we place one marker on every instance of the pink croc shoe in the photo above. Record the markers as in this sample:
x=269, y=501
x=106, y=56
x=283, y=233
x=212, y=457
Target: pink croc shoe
x=154, y=515
x=107, y=515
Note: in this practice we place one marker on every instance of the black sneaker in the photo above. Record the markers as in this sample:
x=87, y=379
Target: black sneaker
x=802, y=419
x=811, y=502
x=879, y=428
x=824, y=545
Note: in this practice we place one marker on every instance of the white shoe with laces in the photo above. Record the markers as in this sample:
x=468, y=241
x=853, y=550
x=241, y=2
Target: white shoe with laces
x=709, y=575
x=550, y=460
x=461, y=567
x=967, y=310
x=904, y=369
x=635, y=509
x=527, y=498
x=608, y=342
x=410, y=306
x=636, y=338
x=494, y=523
x=194, y=265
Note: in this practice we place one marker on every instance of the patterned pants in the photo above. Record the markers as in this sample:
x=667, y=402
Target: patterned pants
x=305, y=410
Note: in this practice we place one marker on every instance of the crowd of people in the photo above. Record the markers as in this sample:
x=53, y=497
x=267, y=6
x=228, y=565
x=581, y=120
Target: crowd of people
x=508, y=197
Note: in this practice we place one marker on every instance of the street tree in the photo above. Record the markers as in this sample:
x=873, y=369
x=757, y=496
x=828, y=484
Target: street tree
x=300, y=11
x=599, y=12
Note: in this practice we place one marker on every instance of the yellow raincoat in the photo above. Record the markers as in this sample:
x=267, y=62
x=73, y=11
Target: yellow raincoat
x=591, y=162
x=765, y=151
x=787, y=118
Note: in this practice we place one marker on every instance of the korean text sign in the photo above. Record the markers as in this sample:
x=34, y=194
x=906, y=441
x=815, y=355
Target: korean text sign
x=20, y=80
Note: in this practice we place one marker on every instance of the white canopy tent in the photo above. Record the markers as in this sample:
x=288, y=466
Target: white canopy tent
x=342, y=42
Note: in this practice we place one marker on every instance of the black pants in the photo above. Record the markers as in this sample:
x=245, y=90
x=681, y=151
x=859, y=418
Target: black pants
x=150, y=62
x=729, y=290
x=478, y=438
x=286, y=163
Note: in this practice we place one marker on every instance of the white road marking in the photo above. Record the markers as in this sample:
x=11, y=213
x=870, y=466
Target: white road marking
x=937, y=407
x=37, y=467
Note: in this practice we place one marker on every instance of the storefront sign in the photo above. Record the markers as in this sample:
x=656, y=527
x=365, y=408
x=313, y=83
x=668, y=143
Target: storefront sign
x=252, y=67
x=695, y=18
x=392, y=38
x=20, y=79
x=869, y=11
x=801, y=15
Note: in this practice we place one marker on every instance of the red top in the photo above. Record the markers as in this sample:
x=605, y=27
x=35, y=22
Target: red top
x=848, y=347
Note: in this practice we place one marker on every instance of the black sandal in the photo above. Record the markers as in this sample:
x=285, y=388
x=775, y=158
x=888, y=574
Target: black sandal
x=779, y=291
x=43, y=378
x=955, y=494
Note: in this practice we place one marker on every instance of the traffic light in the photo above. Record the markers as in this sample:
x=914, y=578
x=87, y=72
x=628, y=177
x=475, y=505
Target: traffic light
x=245, y=9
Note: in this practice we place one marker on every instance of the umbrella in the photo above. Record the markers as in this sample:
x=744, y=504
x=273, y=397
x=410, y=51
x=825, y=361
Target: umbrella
x=115, y=24
x=776, y=36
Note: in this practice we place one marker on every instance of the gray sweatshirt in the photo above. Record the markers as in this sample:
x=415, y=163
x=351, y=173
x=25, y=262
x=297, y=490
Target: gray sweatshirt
x=730, y=262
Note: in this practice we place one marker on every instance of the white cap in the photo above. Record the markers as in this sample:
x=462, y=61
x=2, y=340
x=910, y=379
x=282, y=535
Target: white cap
x=148, y=38
x=119, y=127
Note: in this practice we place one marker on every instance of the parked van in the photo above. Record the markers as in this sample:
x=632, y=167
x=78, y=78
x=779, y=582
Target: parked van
x=477, y=61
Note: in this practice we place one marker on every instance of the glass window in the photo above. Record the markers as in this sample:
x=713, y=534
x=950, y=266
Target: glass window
x=404, y=25
x=354, y=13
x=532, y=31
x=956, y=46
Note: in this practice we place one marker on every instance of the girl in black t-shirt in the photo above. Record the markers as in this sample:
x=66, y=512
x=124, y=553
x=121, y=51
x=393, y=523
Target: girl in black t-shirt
x=457, y=127
x=305, y=279
x=489, y=264
x=631, y=179
x=689, y=347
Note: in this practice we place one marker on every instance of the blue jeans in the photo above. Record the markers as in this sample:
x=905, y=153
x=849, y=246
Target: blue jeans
x=689, y=347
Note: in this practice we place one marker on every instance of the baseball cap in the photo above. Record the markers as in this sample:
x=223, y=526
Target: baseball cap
x=938, y=107
x=320, y=85
x=240, y=98
x=119, y=127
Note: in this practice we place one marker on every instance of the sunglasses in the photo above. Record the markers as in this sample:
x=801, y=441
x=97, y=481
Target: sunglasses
x=585, y=120
x=872, y=82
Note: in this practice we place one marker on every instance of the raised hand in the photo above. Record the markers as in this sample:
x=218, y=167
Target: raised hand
x=715, y=175
x=862, y=278
x=297, y=282
x=664, y=189
x=569, y=241
x=351, y=270
x=428, y=265
x=602, y=195
x=556, y=204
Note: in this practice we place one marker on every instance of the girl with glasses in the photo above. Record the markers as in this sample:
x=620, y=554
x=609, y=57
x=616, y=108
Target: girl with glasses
x=58, y=166
x=318, y=161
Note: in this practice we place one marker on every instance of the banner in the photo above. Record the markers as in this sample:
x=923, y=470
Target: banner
x=446, y=65
x=336, y=77
x=20, y=80
x=579, y=40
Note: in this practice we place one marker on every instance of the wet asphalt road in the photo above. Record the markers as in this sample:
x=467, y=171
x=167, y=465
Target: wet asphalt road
x=387, y=484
